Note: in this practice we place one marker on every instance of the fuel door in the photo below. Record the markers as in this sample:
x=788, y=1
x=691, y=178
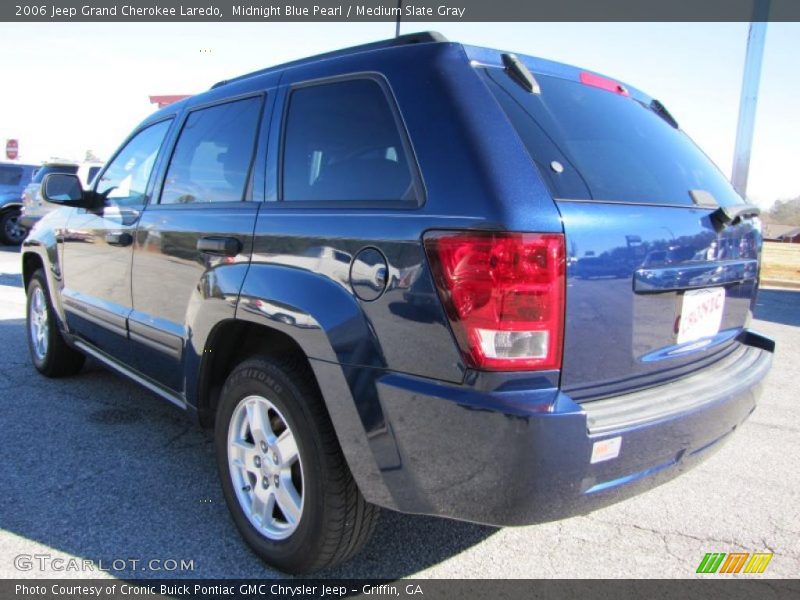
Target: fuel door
x=368, y=274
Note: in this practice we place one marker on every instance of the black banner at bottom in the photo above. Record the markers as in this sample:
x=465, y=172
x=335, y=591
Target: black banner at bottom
x=423, y=589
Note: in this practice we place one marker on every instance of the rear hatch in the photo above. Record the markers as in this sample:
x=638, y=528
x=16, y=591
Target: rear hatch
x=655, y=289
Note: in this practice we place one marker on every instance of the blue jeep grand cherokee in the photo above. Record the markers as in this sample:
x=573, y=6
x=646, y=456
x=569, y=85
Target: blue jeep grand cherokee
x=415, y=275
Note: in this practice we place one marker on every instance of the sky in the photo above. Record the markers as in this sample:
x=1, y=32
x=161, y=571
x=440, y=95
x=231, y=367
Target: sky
x=73, y=87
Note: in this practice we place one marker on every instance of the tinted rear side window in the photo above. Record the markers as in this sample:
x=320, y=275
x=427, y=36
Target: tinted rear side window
x=211, y=161
x=47, y=169
x=611, y=147
x=342, y=143
x=10, y=175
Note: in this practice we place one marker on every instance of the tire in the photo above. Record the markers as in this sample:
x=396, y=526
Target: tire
x=334, y=519
x=11, y=232
x=49, y=352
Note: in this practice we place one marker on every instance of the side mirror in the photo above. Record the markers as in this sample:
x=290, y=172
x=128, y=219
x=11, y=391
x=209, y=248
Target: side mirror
x=63, y=188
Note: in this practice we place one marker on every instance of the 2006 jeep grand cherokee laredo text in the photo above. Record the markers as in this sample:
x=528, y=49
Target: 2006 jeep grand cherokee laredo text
x=416, y=275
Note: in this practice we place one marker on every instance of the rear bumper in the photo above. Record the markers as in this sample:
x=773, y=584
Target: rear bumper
x=513, y=458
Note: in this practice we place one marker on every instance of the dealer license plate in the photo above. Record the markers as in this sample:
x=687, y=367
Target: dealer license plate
x=701, y=314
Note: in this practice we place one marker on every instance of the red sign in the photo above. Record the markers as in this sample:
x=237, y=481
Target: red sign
x=163, y=101
x=12, y=149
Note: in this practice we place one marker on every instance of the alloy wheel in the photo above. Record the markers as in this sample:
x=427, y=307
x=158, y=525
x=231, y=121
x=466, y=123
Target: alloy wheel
x=266, y=468
x=38, y=323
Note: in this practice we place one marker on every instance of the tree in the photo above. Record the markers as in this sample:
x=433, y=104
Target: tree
x=784, y=212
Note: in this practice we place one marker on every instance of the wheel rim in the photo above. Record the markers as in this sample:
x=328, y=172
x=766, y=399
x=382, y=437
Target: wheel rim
x=14, y=231
x=38, y=323
x=265, y=467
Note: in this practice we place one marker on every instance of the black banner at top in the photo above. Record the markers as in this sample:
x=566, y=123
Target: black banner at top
x=391, y=10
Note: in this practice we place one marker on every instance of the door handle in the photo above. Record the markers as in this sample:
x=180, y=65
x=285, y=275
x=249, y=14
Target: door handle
x=219, y=246
x=119, y=238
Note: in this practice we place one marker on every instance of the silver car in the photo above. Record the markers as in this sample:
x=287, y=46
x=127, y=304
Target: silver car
x=33, y=205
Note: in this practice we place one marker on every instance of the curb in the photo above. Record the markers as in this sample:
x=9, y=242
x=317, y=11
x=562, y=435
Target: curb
x=782, y=284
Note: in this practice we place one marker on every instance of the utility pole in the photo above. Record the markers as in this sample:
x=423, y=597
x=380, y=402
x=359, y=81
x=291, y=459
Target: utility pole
x=399, y=12
x=749, y=97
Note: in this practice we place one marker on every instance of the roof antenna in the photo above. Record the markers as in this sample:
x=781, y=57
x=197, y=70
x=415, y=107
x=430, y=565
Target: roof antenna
x=399, y=12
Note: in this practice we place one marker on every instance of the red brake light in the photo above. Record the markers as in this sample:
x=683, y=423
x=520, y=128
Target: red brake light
x=604, y=83
x=504, y=296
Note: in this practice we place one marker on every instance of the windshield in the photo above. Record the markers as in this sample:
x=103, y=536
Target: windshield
x=592, y=144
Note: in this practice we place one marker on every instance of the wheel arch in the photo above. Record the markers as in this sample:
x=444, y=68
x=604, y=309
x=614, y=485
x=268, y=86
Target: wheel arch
x=287, y=309
x=229, y=343
x=31, y=262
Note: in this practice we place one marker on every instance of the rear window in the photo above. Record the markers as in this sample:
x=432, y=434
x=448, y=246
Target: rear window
x=342, y=144
x=10, y=175
x=592, y=144
x=47, y=169
x=211, y=160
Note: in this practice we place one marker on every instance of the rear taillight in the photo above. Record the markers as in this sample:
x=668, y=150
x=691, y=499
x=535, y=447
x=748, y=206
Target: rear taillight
x=504, y=296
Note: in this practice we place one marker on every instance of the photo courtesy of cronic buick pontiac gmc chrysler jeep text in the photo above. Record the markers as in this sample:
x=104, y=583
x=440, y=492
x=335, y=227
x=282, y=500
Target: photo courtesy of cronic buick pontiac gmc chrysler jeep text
x=416, y=275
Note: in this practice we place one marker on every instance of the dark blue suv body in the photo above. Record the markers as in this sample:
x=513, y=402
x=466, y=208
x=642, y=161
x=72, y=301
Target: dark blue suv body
x=418, y=275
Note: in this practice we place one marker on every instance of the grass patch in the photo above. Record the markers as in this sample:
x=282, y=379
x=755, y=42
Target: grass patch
x=780, y=262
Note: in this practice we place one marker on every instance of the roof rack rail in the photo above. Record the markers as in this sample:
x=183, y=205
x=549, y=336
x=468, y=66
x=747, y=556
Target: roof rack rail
x=422, y=37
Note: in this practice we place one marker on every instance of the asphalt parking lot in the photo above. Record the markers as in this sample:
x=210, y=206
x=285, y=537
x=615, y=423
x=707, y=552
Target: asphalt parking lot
x=96, y=468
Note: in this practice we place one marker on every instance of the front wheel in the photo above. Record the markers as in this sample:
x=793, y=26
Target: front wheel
x=50, y=353
x=283, y=474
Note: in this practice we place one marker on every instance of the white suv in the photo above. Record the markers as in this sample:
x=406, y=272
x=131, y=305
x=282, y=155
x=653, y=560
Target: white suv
x=33, y=205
